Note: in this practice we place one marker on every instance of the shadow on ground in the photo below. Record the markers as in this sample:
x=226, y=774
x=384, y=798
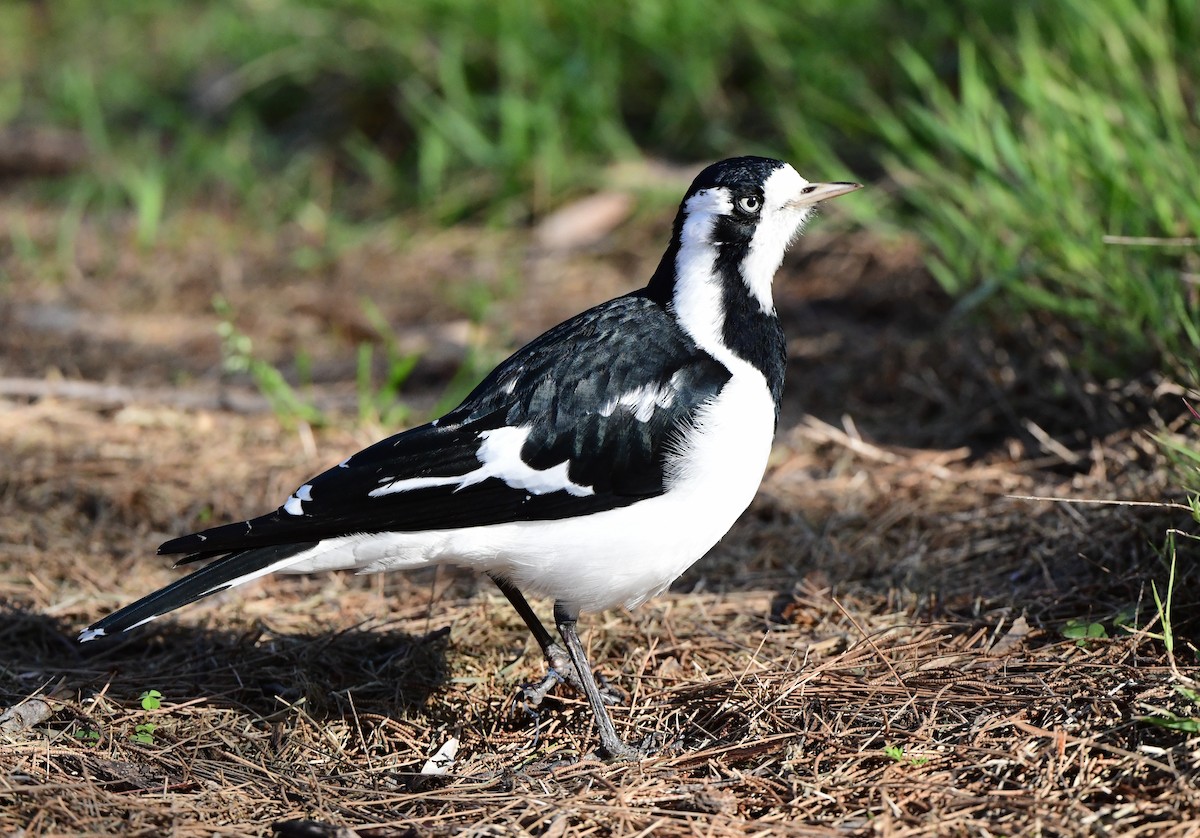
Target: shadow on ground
x=257, y=671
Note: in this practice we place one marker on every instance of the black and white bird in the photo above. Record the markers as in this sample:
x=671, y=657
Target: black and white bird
x=594, y=466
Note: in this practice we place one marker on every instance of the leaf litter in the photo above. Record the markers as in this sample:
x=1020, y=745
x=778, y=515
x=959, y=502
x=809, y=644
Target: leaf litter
x=877, y=648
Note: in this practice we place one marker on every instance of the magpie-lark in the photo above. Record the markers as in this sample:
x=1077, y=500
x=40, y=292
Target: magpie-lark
x=594, y=466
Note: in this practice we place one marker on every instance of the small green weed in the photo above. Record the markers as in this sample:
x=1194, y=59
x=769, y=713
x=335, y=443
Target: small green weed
x=1081, y=631
x=237, y=350
x=143, y=733
x=896, y=752
x=145, y=187
x=379, y=402
x=1184, y=454
x=1163, y=603
x=23, y=245
x=87, y=736
x=1184, y=685
x=1171, y=721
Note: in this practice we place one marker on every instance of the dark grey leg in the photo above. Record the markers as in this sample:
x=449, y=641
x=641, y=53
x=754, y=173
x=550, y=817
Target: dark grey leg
x=543, y=638
x=561, y=667
x=611, y=744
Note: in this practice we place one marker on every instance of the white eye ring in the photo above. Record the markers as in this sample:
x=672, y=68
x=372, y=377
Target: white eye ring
x=750, y=203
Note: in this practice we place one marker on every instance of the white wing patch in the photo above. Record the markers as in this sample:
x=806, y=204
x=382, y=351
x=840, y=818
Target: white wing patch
x=642, y=401
x=508, y=384
x=294, y=505
x=499, y=457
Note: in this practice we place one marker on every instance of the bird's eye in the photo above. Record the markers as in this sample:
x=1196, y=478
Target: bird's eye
x=750, y=203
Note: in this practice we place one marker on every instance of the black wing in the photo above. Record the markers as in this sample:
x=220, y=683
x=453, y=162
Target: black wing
x=565, y=388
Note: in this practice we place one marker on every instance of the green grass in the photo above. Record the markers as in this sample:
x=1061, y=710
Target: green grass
x=462, y=108
x=1185, y=684
x=1078, y=127
x=1184, y=452
x=238, y=358
x=1020, y=134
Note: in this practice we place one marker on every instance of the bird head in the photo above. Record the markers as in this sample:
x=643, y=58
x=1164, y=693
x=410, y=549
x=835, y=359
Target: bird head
x=749, y=210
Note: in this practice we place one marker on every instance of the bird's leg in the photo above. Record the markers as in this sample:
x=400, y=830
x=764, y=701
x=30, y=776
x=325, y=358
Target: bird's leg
x=559, y=664
x=610, y=742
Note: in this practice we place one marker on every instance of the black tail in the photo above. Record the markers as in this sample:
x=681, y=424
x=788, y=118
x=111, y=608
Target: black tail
x=224, y=573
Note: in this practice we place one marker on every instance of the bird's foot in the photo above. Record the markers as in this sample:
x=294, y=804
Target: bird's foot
x=560, y=669
x=618, y=750
x=621, y=751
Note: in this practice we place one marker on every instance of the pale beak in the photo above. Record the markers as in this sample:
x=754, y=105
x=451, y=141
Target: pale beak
x=815, y=192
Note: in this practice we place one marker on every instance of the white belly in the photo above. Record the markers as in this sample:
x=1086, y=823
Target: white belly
x=618, y=557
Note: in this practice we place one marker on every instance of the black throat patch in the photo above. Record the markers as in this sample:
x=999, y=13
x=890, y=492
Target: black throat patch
x=750, y=333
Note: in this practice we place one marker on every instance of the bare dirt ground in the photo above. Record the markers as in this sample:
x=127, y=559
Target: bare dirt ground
x=879, y=647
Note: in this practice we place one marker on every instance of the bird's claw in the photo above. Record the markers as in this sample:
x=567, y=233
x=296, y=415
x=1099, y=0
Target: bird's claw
x=559, y=670
x=534, y=693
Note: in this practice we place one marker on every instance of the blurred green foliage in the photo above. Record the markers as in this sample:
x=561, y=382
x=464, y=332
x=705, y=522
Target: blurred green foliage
x=1019, y=133
x=458, y=106
x=1081, y=124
